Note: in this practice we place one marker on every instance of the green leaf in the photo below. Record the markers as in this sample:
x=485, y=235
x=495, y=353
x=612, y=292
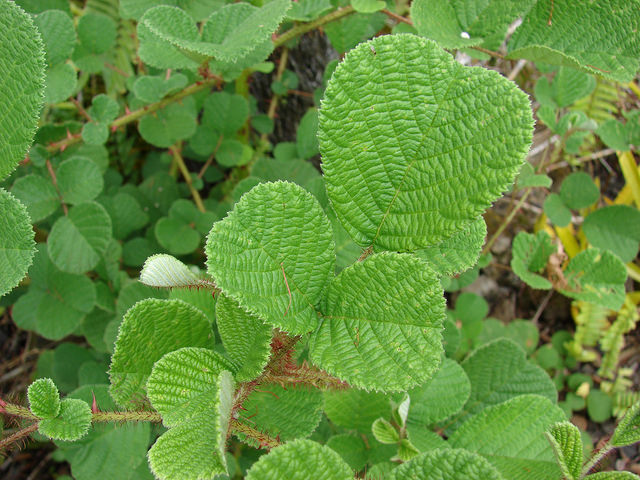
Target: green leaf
x=348, y=32
x=356, y=409
x=300, y=460
x=225, y=113
x=306, y=135
x=168, y=125
x=95, y=133
x=424, y=439
x=599, y=405
x=628, y=430
x=570, y=85
x=615, y=228
x=596, y=276
x=578, y=191
x=547, y=34
x=566, y=442
x=38, y=195
x=16, y=242
x=56, y=302
x=165, y=271
x=126, y=213
x=499, y=371
x=612, y=476
x=449, y=464
x=44, y=399
x=381, y=324
x=393, y=181
x=368, y=6
x=78, y=241
x=151, y=89
x=150, y=329
x=530, y=254
x=22, y=66
x=459, y=252
x=274, y=255
x=528, y=178
x=556, y=210
x=384, y=432
x=351, y=448
x=461, y=24
x=58, y=35
x=193, y=392
x=289, y=413
x=511, y=436
x=103, y=109
x=442, y=396
x=307, y=10
x=233, y=153
x=97, y=33
x=79, y=180
x=176, y=236
x=245, y=338
x=72, y=423
x=60, y=84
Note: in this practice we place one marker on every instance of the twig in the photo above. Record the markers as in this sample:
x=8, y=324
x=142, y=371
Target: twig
x=307, y=27
x=507, y=221
x=517, y=69
x=262, y=438
x=20, y=434
x=177, y=157
x=54, y=180
x=397, y=17
x=488, y=52
x=541, y=308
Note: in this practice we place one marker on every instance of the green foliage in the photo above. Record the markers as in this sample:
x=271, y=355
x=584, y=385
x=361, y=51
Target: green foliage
x=149, y=330
x=546, y=36
x=406, y=156
x=567, y=446
x=615, y=228
x=530, y=256
x=628, y=430
x=44, y=399
x=449, y=464
x=300, y=460
x=71, y=423
x=193, y=392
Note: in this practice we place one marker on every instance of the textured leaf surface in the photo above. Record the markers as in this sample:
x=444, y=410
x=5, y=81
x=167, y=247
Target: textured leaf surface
x=170, y=124
x=16, y=241
x=225, y=113
x=300, y=460
x=511, y=436
x=431, y=143
x=58, y=35
x=274, y=255
x=288, y=413
x=446, y=464
x=60, y=84
x=22, y=66
x=615, y=228
x=44, y=399
x=382, y=323
x=194, y=395
x=384, y=432
x=72, y=423
x=566, y=442
x=150, y=329
x=458, y=24
x=245, y=338
x=458, y=252
x=628, y=430
x=356, y=409
x=608, y=42
x=163, y=270
x=499, y=371
x=78, y=241
x=56, y=302
x=529, y=258
x=596, y=276
x=612, y=476
x=442, y=396
x=578, y=190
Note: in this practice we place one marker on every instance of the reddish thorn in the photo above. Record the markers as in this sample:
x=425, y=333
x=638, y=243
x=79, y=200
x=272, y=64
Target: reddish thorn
x=94, y=404
x=113, y=128
x=126, y=110
x=69, y=136
x=168, y=74
x=63, y=148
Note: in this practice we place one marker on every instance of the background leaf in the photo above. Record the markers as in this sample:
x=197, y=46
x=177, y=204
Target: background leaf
x=455, y=464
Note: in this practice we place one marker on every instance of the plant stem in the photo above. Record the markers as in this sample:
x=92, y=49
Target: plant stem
x=595, y=459
x=177, y=157
x=488, y=52
x=20, y=434
x=262, y=438
x=54, y=180
x=307, y=27
x=132, y=416
x=141, y=112
x=507, y=221
x=397, y=17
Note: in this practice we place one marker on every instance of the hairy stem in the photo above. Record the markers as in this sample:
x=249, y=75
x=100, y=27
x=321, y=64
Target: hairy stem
x=133, y=416
x=307, y=27
x=307, y=375
x=16, y=437
x=264, y=440
x=603, y=452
